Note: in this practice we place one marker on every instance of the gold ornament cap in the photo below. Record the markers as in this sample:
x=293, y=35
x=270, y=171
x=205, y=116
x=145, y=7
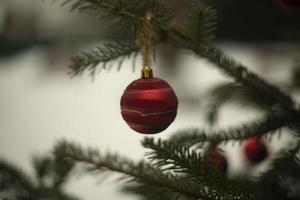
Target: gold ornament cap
x=147, y=72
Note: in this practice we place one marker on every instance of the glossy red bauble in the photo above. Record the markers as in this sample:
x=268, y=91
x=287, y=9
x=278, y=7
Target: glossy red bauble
x=149, y=105
x=255, y=150
x=216, y=157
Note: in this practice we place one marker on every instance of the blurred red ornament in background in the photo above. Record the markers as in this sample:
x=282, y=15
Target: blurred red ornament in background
x=255, y=150
x=149, y=105
x=216, y=157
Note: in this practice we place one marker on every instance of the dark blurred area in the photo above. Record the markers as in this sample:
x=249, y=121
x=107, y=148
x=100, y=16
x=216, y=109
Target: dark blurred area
x=263, y=20
x=27, y=23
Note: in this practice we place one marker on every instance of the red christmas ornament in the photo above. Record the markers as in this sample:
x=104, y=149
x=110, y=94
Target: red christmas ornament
x=216, y=157
x=149, y=105
x=255, y=150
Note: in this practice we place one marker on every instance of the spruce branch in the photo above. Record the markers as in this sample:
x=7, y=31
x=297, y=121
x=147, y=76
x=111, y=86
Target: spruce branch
x=13, y=178
x=152, y=193
x=286, y=160
x=46, y=168
x=198, y=32
x=169, y=156
x=202, y=25
x=257, y=128
x=124, y=14
x=131, y=15
x=90, y=60
x=43, y=167
x=15, y=184
x=232, y=92
x=140, y=172
x=236, y=70
x=249, y=79
x=199, y=41
x=283, y=167
x=229, y=92
x=175, y=157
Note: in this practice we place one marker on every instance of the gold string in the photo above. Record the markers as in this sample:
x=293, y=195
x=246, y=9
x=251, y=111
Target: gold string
x=144, y=40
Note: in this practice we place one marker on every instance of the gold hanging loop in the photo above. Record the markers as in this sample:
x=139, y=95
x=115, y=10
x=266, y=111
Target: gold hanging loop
x=144, y=41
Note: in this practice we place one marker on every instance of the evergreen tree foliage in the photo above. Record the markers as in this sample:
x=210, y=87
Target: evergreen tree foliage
x=50, y=177
x=102, y=55
x=174, y=170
